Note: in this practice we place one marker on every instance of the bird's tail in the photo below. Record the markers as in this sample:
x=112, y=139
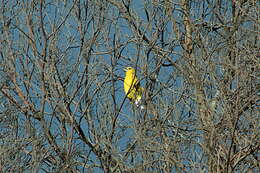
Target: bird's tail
x=139, y=104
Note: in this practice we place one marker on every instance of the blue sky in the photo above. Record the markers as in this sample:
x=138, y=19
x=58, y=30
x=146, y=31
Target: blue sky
x=69, y=57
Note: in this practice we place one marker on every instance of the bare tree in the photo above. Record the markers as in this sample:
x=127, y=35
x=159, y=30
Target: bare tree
x=62, y=106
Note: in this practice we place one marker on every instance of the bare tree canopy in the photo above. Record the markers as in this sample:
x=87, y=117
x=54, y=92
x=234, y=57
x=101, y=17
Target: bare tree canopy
x=62, y=101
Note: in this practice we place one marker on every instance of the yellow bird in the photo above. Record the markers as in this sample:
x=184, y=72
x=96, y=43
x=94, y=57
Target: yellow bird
x=132, y=87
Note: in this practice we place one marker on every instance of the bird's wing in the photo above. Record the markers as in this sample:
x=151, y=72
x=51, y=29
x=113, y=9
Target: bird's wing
x=137, y=84
x=138, y=88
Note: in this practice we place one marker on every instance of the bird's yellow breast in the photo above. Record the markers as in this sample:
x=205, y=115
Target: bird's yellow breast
x=132, y=87
x=130, y=80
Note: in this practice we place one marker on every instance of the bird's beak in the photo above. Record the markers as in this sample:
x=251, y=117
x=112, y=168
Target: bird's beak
x=125, y=69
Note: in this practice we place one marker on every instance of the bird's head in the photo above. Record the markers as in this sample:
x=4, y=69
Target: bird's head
x=129, y=70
